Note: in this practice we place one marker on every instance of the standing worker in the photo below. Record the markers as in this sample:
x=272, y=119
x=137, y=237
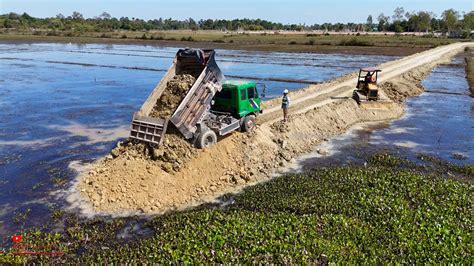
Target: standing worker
x=285, y=104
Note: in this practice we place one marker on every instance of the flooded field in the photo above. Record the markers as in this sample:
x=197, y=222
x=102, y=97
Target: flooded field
x=62, y=104
x=438, y=123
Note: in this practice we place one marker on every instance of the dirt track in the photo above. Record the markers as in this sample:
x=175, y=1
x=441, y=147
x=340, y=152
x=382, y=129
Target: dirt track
x=126, y=185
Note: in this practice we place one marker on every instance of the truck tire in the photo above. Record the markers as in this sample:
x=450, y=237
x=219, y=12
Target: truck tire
x=206, y=139
x=248, y=123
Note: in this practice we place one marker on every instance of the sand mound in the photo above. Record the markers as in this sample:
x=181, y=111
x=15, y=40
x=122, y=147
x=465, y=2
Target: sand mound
x=399, y=89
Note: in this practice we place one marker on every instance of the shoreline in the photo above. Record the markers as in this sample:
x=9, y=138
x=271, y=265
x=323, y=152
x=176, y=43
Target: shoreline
x=263, y=47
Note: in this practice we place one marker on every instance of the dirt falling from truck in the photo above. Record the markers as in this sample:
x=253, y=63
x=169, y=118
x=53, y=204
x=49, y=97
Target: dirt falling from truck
x=175, y=91
x=175, y=151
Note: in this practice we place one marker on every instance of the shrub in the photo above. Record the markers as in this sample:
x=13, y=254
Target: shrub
x=355, y=42
x=187, y=39
x=292, y=43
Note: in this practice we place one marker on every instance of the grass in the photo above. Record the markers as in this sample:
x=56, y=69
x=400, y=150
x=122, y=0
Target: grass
x=392, y=210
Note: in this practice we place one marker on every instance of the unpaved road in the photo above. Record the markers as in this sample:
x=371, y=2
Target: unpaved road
x=129, y=184
x=318, y=97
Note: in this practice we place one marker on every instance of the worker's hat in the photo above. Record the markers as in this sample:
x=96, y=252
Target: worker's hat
x=285, y=91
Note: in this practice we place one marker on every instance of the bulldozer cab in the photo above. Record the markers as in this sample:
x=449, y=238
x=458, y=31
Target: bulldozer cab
x=367, y=76
x=366, y=89
x=238, y=98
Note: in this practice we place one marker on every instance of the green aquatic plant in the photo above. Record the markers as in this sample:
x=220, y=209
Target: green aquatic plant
x=21, y=217
x=391, y=210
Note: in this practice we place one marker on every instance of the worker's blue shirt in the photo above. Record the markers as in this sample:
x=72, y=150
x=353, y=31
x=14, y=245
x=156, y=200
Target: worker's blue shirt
x=285, y=102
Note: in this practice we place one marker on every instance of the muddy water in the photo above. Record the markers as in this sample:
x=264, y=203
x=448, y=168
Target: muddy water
x=62, y=104
x=439, y=123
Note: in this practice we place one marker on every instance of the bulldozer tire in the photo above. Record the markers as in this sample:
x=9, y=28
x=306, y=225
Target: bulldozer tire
x=248, y=123
x=206, y=139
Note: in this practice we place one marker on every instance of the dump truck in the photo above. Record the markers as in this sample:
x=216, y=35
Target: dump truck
x=212, y=107
x=366, y=88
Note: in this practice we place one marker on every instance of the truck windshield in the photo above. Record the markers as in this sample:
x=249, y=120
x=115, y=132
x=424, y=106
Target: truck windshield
x=224, y=94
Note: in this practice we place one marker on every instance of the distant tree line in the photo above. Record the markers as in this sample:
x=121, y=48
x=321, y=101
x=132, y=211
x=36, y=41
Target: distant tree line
x=450, y=21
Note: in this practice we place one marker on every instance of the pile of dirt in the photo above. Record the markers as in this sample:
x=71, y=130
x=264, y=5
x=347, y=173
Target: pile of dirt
x=409, y=84
x=176, y=90
x=175, y=151
x=170, y=156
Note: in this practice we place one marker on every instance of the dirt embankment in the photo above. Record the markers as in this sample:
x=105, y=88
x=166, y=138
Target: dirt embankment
x=135, y=184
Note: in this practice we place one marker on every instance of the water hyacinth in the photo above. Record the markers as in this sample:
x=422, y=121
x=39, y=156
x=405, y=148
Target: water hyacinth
x=392, y=210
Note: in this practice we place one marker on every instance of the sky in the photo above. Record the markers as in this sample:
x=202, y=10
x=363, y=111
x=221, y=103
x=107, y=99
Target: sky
x=284, y=11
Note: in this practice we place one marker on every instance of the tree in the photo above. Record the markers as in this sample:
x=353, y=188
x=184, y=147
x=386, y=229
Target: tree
x=398, y=14
x=383, y=22
x=60, y=16
x=369, y=25
x=468, y=23
x=105, y=15
x=397, y=18
x=77, y=16
x=424, y=22
x=450, y=18
x=193, y=24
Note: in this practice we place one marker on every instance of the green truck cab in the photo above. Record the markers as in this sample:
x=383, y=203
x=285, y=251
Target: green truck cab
x=240, y=99
x=234, y=107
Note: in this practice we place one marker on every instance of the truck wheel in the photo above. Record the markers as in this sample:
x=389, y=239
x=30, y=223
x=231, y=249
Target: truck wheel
x=206, y=139
x=248, y=124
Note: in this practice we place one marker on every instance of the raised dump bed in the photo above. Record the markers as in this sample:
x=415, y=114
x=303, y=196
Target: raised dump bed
x=208, y=81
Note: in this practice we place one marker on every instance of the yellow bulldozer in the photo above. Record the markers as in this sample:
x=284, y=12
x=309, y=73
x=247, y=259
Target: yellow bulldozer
x=366, y=89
